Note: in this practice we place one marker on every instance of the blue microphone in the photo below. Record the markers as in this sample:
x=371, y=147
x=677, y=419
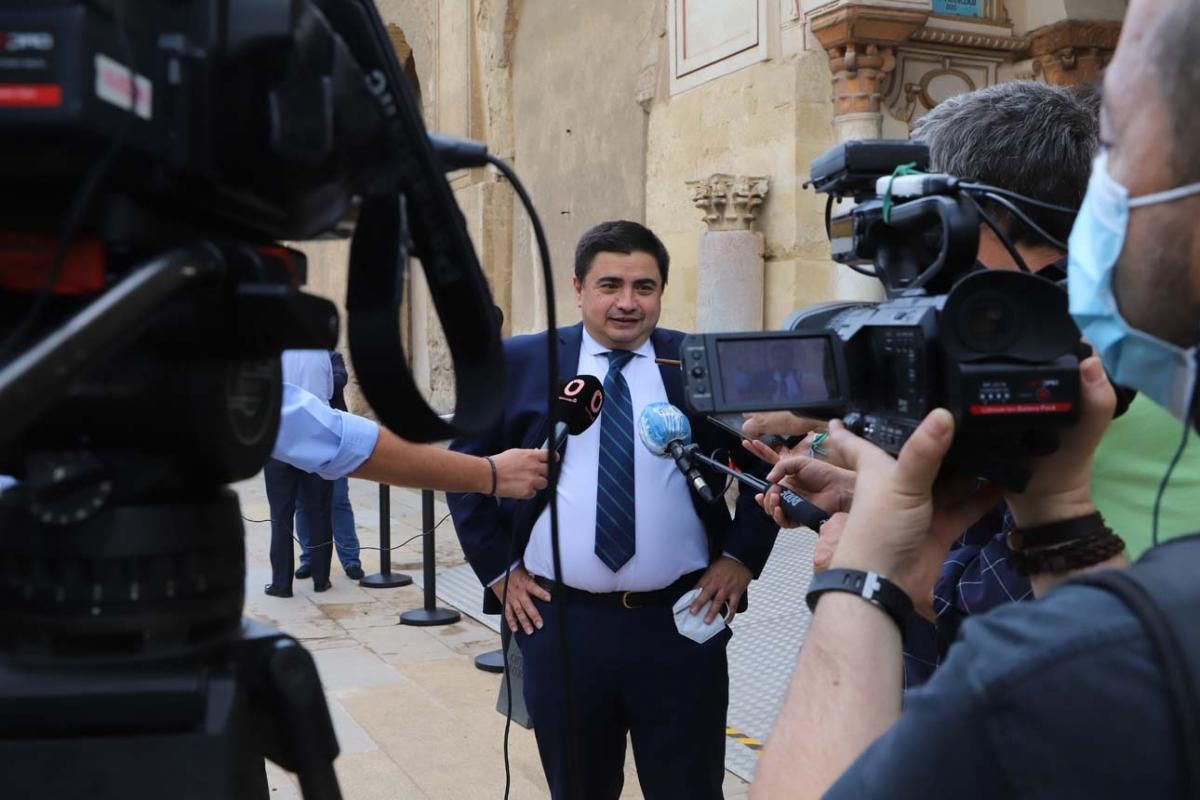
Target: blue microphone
x=666, y=432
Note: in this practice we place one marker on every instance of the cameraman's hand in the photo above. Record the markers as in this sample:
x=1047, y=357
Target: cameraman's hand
x=520, y=473
x=1061, y=484
x=900, y=526
x=519, y=608
x=779, y=423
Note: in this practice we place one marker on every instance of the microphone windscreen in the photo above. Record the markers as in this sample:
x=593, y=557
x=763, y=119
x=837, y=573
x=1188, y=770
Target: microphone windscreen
x=579, y=403
x=662, y=423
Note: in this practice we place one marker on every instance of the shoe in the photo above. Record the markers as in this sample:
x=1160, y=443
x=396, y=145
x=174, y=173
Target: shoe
x=277, y=591
x=303, y=571
x=354, y=573
x=322, y=587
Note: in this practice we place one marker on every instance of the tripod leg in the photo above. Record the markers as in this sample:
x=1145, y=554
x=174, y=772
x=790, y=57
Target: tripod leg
x=302, y=721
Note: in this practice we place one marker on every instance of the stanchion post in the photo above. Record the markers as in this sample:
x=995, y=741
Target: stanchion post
x=429, y=614
x=385, y=578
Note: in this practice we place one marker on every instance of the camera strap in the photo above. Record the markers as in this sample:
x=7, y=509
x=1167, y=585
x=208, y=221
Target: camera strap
x=1162, y=592
x=378, y=261
x=411, y=197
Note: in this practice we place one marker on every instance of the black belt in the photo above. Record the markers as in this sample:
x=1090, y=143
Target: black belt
x=657, y=597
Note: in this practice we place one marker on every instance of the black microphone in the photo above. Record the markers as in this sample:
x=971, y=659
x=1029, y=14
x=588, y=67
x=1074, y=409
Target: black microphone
x=793, y=506
x=577, y=407
x=665, y=431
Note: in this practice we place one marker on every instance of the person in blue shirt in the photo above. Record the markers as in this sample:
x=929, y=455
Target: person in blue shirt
x=345, y=536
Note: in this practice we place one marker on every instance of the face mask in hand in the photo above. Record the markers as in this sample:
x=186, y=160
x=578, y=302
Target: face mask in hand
x=1164, y=372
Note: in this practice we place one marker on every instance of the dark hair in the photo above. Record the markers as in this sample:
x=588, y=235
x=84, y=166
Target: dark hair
x=1028, y=137
x=619, y=236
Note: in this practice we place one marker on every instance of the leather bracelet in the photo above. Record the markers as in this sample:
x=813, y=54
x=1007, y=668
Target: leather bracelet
x=492, y=464
x=870, y=586
x=1055, y=533
x=1068, y=556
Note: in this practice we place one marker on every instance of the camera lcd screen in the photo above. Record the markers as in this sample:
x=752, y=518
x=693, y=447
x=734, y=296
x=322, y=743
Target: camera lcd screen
x=776, y=372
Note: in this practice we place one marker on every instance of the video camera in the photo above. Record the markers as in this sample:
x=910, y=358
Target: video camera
x=997, y=348
x=153, y=154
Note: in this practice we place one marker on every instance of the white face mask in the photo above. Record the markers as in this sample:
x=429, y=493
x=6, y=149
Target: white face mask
x=1164, y=372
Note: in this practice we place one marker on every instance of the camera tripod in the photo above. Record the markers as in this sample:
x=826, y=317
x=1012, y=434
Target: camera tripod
x=126, y=668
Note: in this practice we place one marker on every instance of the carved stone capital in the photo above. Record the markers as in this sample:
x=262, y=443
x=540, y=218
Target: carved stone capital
x=1073, y=52
x=861, y=43
x=838, y=26
x=729, y=202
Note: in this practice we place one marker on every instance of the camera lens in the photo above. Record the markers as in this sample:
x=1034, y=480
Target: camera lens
x=989, y=322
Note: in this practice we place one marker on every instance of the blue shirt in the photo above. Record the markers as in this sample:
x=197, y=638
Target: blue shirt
x=316, y=438
x=1058, y=698
x=311, y=370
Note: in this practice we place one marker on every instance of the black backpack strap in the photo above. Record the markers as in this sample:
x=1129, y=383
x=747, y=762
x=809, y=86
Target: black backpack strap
x=1163, y=592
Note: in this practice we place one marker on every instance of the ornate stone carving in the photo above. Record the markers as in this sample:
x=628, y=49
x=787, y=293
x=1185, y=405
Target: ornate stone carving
x=861, y=44
x=858, y=75
x=979, y=41
x=1073, y=52
x=729, y=202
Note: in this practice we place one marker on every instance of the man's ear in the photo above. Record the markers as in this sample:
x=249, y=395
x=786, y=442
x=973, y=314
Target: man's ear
x=578, y=291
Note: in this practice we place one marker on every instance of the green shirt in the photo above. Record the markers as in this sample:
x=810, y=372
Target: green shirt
x=1130, y=464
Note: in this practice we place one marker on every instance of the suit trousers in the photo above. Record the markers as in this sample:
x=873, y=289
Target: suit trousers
x=345, y=534
x=632, y=672
x=285, y=484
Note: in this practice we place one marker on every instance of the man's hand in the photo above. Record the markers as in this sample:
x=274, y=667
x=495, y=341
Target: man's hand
x=899, y=526
x=826, y=486
x=779, y=423
x=520, y=473
x=827, y=541
x=724, y=581
x=1061, y=484
x=520, y=608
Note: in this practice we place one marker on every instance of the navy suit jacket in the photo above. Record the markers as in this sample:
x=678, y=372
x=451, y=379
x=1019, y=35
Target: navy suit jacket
x=494, y=532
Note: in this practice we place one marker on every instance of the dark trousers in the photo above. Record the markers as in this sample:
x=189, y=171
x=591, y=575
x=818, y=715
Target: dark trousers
x=631, y=672
x=285, y=484
x=345, y=534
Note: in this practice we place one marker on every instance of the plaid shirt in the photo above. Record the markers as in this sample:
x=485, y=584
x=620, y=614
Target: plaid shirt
x=976, y=577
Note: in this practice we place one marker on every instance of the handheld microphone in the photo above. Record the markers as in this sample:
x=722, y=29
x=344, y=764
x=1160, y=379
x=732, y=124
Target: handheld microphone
x=793, y=506
x=577, y=407
x=665, y=431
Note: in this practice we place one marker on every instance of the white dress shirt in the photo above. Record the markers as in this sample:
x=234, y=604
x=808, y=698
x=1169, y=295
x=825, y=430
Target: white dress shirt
x=311, y=370
x=670, y=537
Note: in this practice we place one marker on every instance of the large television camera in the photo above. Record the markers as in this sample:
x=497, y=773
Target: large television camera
x=997, y=348
x=153, y=155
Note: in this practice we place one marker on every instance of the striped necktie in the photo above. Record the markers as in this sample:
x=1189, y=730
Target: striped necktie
x=615, y=528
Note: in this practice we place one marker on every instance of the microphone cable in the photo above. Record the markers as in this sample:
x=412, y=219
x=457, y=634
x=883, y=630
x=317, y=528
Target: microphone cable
x=552, y=472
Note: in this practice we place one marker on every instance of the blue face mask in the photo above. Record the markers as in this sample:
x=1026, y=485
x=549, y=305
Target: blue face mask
x=1162, y=371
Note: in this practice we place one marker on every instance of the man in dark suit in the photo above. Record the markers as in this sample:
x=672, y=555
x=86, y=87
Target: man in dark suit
x=634, y=540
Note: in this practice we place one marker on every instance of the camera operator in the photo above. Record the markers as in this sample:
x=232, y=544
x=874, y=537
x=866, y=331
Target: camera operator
x=1065, y=696
x=1036, y=140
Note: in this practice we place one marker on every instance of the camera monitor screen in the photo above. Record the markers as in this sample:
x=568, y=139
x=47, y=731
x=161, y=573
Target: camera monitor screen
x=777, y=372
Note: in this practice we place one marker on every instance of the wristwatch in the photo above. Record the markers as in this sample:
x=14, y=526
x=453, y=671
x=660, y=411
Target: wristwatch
x=870, y=586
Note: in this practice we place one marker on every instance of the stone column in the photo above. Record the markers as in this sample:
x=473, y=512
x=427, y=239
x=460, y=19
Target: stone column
x=1073, y=52
x=729, y=285
x=861, y=42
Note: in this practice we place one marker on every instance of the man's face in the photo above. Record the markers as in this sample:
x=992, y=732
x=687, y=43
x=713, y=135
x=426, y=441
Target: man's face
x=1157, y=277
x=620, y=298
